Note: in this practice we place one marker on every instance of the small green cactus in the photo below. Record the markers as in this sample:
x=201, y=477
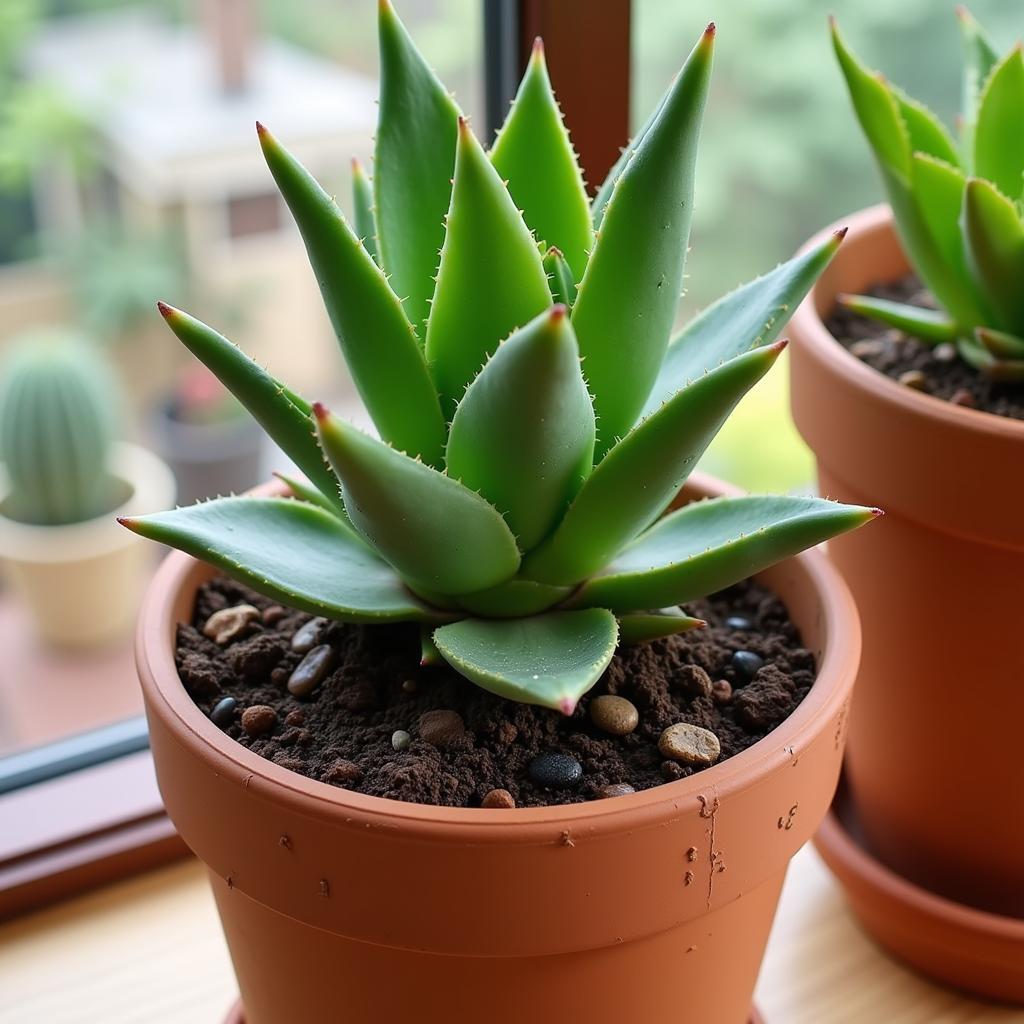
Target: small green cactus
x=57, y=421
x=957, y=203
x=536, y=418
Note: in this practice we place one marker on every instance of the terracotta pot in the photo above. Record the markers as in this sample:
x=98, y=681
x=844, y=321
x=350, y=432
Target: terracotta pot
x=933, y=761
x=337, y=904
x=83, y=582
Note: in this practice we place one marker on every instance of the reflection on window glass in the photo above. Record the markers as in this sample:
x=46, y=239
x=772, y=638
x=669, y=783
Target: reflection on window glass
x=127, y=157
x=781, y=154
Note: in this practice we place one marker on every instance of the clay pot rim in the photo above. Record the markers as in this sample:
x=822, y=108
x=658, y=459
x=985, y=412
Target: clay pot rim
x=527, y=825
x=815, y=335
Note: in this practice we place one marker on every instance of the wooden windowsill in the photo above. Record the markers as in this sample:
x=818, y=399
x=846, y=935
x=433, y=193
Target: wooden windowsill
x=151, y=950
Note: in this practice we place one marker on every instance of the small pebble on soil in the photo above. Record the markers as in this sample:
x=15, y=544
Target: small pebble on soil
x=614, y=715
x=690, y=744
x=555, y=771
x=400, y=740
x=258, y=719
x=309, y=673
x=498, y=799
x=746, y=663
x=229, y=623
x=308, y=636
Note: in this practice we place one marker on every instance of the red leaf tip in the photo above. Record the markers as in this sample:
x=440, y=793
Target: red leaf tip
x=320, y=411
x=840, y=234
x=778, y=346
x=567, y=705
x=557, y=313
x=538, y=47
x=709, y=32
x=261, y=129
x=876, y=512
x=165, y=310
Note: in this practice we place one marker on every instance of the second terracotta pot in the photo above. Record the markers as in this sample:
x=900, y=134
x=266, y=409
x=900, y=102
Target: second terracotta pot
x=339, y=906
x=934, y=758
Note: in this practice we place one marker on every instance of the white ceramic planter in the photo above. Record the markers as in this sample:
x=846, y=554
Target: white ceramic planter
x=83, y=582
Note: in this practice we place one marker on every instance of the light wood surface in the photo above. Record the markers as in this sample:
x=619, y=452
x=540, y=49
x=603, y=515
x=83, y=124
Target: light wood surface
x=149, y=951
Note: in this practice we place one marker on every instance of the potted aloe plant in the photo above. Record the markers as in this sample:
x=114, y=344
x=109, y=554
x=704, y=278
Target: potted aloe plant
x=63, y=474
x=437, y=722
x=908, y=383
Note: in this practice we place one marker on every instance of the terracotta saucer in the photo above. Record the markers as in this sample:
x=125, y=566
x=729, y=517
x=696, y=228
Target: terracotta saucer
x=969, y=949
x=237, y=1015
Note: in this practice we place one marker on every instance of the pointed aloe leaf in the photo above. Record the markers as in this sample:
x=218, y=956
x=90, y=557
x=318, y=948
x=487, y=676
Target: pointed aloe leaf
x=303, y=490
x=998, y=136
x=523, y=434
x=750, y=317
x=994, y=243
x=429, y=654
x=929, y=325
x=639, y=477
x=362, y=204
x=282, y=414
x=876, y=107
x=980, y=58
x=554, y=203
x=550, y=660
x=925, y=132
x=412, y=169
x=379, y=345
x=491, y=279
x=995, y=368
x=604, y=193
x=999, y=343
x=712, y=544
x=293, y=552
x=560, y=279
x=438, y=534
x=626, y=302
x=642, y=627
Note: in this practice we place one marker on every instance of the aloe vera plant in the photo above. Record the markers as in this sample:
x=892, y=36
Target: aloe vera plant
x=536, y=419
x=957, y=202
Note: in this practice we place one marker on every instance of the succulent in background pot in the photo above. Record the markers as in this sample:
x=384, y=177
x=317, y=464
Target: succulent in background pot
x=203, y=434
x=932, y=765
x=522, y=506
x=64, y=478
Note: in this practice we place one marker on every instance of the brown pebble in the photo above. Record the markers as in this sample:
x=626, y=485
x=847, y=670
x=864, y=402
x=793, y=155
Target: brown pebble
x=690, y=744
x=295, y=717
x=343, y=772
x=441, y=728
x=695, y=680
x=409, y=686
x=309, y=672
x=258, y=719
x=867, y=348
x=721, y=691
x=964, y=397
x=615, y=789
x=913, y=379
x=498, y=799
x=614, y=715
x=229, y=623
x=272, y=615
x=944, y=353
x=308, y=635
x=280, y=675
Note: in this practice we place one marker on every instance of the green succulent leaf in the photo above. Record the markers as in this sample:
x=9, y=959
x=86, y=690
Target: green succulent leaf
x=293, y=552
x=412, y=169
x=303, y=490
x=550, y=660
x=560, y=279
x=996, y=368
x=491, y=279
x=362, y=204
x=994, y=243
x=999, y=343
x=980, y=58
x=282, y=414
x=429, y=654
x=523, y=434
x=641, y=475
x=379, y=345
x=604, y=193
x=438, y=534
x=709, y=545
x=513, y=599
x=998, y=137
x=925, y=132
x=929, y=325
x=554, y=203
x=750, y=317
x=626, y=302
x=642, y=627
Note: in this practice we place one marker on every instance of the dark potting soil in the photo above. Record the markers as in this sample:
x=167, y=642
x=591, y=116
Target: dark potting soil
x=341, y=733
x=935, y=369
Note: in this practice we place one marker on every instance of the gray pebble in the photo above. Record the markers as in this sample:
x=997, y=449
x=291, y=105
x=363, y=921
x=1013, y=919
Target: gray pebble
x=223, y=713
x=307, y=636
x=400, y=739
x=555, y=771
x=309, y=672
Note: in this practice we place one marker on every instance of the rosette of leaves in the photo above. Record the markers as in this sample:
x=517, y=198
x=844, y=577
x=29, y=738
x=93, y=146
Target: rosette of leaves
x=512, y=343
x=957, y=202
